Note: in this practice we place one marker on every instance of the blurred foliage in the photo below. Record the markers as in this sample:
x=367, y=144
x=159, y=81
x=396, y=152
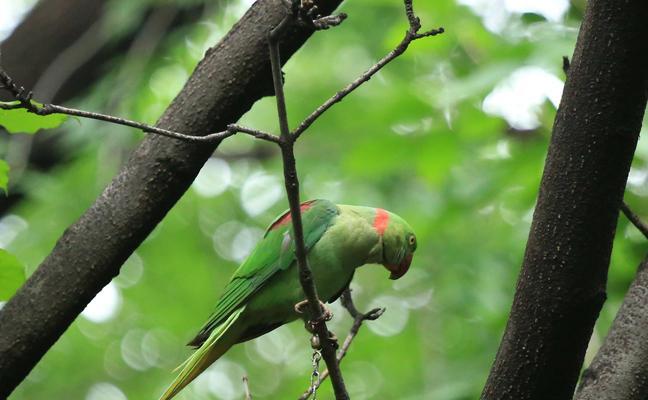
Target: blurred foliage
x=416, y=140
x=4, y=175
x=22, y=121
x=12, y=275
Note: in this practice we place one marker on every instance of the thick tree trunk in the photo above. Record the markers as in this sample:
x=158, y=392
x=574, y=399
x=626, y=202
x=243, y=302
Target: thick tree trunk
x=620, y=369
x=231, y=77
x=561, y=287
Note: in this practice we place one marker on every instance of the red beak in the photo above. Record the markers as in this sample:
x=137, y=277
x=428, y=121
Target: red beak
x=398, y=270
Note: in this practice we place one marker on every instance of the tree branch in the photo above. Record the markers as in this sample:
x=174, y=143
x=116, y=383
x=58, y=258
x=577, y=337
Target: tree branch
x=24, y=101
x=231, y=77
x=292, y=189
x=358, y=319
x=291, y=179
x=561, y=286
x=620, y=368
x=634, y=219
x=411, y=35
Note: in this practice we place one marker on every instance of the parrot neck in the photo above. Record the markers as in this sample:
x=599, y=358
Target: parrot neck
x=362, y=237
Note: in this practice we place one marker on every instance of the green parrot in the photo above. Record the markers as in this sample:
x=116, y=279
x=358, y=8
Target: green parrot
x=263, y=292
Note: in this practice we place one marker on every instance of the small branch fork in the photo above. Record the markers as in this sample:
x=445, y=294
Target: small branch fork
x=358, y=319
x=303, y=12
x=411, y=35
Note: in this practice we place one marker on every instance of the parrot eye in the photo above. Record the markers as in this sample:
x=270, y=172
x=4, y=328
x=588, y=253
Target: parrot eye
x=412, y=240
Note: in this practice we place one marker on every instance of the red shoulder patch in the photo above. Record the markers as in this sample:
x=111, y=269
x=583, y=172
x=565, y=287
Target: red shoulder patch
x=380, y=221
x=286, y=218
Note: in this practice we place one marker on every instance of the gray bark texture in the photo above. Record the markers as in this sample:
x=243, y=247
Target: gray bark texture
x=561, y=287
x=226, y=83
x=620, y=369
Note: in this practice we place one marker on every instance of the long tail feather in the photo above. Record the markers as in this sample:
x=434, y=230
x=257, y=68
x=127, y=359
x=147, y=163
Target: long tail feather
x=211, y=350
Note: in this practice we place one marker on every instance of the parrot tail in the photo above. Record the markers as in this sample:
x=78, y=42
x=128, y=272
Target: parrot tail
x=211, y=350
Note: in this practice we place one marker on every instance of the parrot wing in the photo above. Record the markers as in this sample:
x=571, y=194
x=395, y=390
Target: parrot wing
x=275, y=252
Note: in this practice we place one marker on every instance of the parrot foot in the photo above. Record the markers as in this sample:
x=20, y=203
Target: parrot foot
x=326, y=316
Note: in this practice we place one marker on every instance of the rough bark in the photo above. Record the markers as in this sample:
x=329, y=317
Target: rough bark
x=561, y=287
x=231, y=77
x=620, y=369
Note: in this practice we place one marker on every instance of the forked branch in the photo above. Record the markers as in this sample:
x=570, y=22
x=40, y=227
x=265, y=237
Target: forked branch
x=411, y=35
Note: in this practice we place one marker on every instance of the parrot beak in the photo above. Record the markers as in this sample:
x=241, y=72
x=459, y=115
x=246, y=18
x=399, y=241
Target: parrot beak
x=398, y=270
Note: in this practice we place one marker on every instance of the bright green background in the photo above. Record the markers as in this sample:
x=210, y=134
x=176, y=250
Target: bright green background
x=413, y=140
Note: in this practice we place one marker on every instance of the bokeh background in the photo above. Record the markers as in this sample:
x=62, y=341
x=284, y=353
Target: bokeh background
x=452, y=136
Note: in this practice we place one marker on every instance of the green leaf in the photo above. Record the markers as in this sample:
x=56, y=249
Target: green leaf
x=12, y=275
x=4, y=175
x=21, y=121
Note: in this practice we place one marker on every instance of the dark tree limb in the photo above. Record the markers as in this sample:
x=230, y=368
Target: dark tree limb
x=561, y=287
x=620, y=369
x=291, y=179
x=231, y=77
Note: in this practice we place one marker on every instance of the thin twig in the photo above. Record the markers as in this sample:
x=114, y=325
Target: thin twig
x=246, y=388
x=268, y=137
x=292, y=191
x=277, y=80
x=24, y=101
x=634, y=219
x=411, y=35
x=358, y=319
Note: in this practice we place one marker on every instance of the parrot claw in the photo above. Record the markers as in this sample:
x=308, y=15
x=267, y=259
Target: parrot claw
x=326, y=316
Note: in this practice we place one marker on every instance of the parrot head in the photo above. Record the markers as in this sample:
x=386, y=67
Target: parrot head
x=398, y=245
